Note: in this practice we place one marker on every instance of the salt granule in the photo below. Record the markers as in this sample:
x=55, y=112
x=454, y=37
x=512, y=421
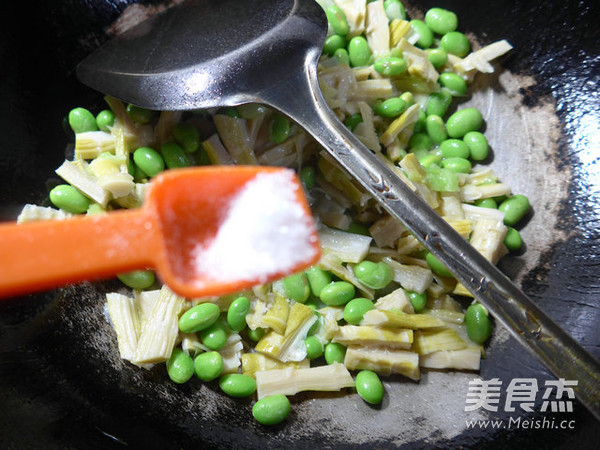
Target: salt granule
x=265, y=232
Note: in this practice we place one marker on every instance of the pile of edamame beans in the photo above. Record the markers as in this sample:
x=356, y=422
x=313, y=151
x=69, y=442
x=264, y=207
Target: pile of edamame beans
x=447, y=146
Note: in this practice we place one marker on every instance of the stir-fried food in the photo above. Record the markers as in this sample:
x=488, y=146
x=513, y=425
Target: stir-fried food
x=377, y=303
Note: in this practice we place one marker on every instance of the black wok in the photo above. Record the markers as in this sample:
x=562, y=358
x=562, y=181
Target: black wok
x=61, y=381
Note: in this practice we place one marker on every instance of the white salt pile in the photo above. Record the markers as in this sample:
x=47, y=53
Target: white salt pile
x=264, y=233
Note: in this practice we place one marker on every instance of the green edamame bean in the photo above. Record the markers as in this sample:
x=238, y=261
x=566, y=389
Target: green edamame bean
x=199, y=318
x=140, y=115
x=200, y=158
x=499, y=199
x=436, y=266
x=334, y=352
x=149, y=161
x=187, y=136
x=272, y=409
x=441, y=21
x=409, y=98
x=317, y=279
x=279, y=129
x=463, y=121
x=256, y=334
x=369, y=387
x=231, y=111
x=180, y=366
x=81, y=120
x=392, y=107
x=454, y=148
x=137, y=173
x=478, y=323
x=375, y=275
x=359, y=51
x=396, y=52
x=337, y=20
x=68, y=198
x=514, y=209
x=296, y=287
x=418, y=301
x=214, y=337
x=456, y=43
x=457, y=164
x=237, y=312
x=419, y=126
x=420, y=140
x=478, y=145
x=356, y=308
x=138, y=279
x=353, y=120
x=337, y=293
x=512, y=240
x=436, y=130
x=333, y=43
x=342, y=56
x=208, y=366
x=308, y=177
x=237, y=385
x=314, y=347
x=174, y=155
x=251, y=111
x=390, y=66
x=105, y=119
x=437, y=56
x=425, y=35
x=455, y=84
x=394, y=9
x=438, y=103
x=486, y=203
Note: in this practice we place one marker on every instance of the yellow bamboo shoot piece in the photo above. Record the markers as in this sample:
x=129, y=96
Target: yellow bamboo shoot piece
x=124, y=317
x=429, y=341
x=465, y=359
x=383, y=361
x=380, y=337
x=160, y=330
x=400, y=320
x=235, y=136
x=254, y=362
x=290, y=346
x=276, y=318
x=290, y=381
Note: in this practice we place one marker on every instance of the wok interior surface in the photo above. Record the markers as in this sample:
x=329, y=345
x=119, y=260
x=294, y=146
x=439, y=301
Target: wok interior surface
x=62, y=382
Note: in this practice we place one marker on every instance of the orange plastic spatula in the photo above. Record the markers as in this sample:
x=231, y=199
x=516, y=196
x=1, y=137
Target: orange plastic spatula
x=207, y=231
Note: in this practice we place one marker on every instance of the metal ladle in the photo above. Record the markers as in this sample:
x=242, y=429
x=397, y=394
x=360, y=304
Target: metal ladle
x=210, y=53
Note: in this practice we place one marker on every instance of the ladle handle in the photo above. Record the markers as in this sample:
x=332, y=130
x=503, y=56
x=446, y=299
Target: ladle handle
x=300, y=98
x=46, y=254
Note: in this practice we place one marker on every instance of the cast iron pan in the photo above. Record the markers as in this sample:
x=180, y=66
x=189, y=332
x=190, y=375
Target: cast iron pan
x=62, y=384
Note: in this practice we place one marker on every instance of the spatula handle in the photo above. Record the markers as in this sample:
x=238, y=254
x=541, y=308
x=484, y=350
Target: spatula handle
x=301, y=99
x=41, y=255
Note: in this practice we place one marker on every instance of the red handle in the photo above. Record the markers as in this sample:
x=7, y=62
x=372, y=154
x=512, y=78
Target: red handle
x=42, y=255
